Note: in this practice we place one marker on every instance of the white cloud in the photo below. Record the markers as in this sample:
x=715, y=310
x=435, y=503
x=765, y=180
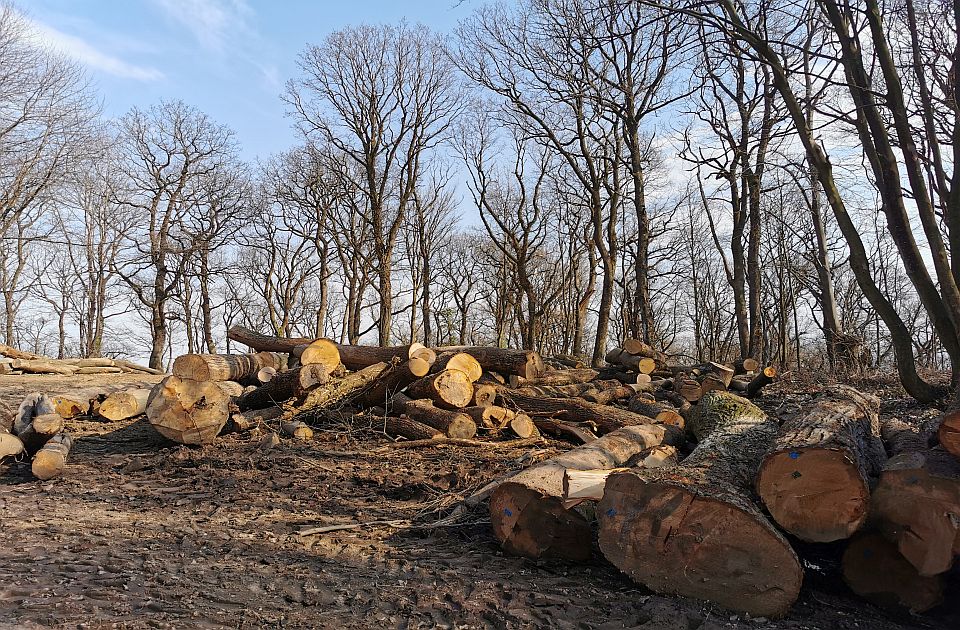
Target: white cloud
x=215, y=24
x=87, y=54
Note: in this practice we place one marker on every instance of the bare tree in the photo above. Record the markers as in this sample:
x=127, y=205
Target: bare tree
x=383, y=97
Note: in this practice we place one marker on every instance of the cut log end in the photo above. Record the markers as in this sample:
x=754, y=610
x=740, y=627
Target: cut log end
x=815, y=494
x=547, y=531
x=188, y=411
x=50, y=460
x=729, y=556
x=875, y=570
x=949, y=432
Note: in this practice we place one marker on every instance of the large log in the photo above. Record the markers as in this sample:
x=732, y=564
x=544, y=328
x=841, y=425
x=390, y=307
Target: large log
x=36, y=421
x=875, y=570
x=462, y=361
x=588, y=484
x=124, y=404
x=14, y=353
x=265, y=343
x=605, y=417
x=523, y=363
x=51, y=459
x=406, y=428
x=293, y=383
x=188, y=411
x=815, y=481
x=695, y=529
x=451, y=389
x=321, y=352
x=453, y=423
x=916, y=503
x=949, y=432
x=527, y=512
x=561, y=377
x=223, y=367
x=43, y=366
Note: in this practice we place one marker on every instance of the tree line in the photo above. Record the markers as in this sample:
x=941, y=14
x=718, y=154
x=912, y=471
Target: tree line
x=720, y=178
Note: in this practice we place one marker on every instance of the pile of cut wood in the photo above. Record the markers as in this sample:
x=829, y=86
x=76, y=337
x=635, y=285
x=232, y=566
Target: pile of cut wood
x=16, y=362
x=674, y=465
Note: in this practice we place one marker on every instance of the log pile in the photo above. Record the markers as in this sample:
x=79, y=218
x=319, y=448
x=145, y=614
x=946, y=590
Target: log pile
x=18, y=362
x=672, y=464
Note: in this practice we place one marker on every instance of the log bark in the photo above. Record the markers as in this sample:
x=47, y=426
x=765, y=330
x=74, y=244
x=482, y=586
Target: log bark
x=344, y=389
x=50, y=460
x=453, y=423
x=612, y=394
x=14, y=353
x=750, y=389
x=815, y=481
x=527, y=511
x=247, y=420
x=561, y=377
x=523, y=363
x=124, y=404
x=408, y=428
x=916, y=503
x=646, y=405
x=450, y=389
x=188, y=411
x=640, y=348
x=294, y=383
x=702, y=516
x=875, y=570
x=43, y=366
x=393, y=380
x=265, y=343
x=491, y=417
x=98, y=370
x=605, y=417
x=296, y=429
x=359, y=357
x=574, y=390
x=462, y=361
x=223, y=367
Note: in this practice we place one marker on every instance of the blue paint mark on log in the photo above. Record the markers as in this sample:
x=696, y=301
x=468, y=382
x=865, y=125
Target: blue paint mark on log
x=507, y=512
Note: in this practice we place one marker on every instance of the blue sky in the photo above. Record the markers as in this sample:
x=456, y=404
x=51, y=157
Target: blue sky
x=230, y=58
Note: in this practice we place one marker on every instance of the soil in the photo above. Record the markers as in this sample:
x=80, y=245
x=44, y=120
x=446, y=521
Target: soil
x=143, y=533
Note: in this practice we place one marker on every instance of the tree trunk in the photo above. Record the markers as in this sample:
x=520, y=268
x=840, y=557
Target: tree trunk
x=453, y=423
x=124, y=404
x=560, y=377
x=606, y=418
x=523, y=363
x=815, y=481
x=701, y=516
x=916, y=503
x=50, y=460
x=875, y=570
x=285, y=385
x=223, y=367
x=188, y=411
x=527, y=511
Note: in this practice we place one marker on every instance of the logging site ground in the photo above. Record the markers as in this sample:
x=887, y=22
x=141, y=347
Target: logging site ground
x=140, y=532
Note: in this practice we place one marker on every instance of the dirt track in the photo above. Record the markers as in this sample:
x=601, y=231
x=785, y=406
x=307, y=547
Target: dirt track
x=142, y=533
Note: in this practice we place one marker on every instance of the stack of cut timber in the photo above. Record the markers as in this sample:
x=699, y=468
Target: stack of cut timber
x=37, y=430
x=16, y=361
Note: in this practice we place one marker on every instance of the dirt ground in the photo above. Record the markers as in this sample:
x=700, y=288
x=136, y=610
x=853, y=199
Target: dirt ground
x=143, y=533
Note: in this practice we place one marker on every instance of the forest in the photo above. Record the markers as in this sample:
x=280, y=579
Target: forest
x=720, y=179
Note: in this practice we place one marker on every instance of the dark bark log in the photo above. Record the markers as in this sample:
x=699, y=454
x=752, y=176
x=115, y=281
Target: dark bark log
x=342, y=390
x=295, y=383
x=561, y=377
x=702, y=516
x=815, y=481
x=249, y=419
x=606, y=418
x=527, y=511
x=453, y=423
x=391, y=381
x=875, y=570
x=523, y=363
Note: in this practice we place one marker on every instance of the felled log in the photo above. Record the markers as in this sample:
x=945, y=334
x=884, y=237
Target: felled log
x=527, y=511
x=574, y=432
x=129, y=366
x=640, y=348
x=393, y=380
x=462, y=361
x=223, y=367
x=875, y=570
x=408, y=428
x=588, y=484
x=321, y=352
x=342, y=389
x=124, y=404
x=605, y=417
x=815, y=481
x=752, y=387
x=743, y=366
x=296, y=429
x=51, y=459
x=490, y=417
x=916, y=503
x=695, y=529
x=451, y=389
x=523, y=363
x=949, y=432
x=10, y=445
x=359, y=357
x=188, y=411
x=574, y=390
x=646, y=405
x=246, y=420
x=36, y=422
x=14, y=353
x=265, y=343
x=453, y=423
x=293, y=383
x=560, y=377
x=99, y=370
x=612, y=394
x=43, y=366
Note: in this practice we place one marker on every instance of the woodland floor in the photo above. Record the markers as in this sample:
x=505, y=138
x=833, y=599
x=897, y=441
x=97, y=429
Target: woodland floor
x=142, y=533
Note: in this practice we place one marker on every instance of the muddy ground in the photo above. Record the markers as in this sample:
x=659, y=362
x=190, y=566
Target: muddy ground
x=142, y=533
